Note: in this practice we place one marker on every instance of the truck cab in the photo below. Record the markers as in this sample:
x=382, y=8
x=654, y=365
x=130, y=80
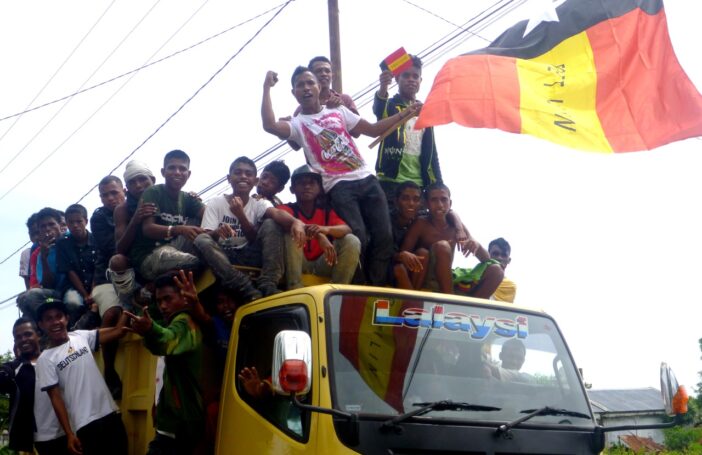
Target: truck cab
x=401, y=372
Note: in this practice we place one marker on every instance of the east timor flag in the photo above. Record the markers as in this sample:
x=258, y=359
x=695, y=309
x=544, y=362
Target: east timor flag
x=601, y=77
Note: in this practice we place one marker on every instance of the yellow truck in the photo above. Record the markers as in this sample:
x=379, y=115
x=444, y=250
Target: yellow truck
x=355, y=369
x=374, y=370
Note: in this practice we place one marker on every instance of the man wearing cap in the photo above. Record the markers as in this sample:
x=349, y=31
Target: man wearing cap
x=68, y=373
x=33, y=423
x=331, y=249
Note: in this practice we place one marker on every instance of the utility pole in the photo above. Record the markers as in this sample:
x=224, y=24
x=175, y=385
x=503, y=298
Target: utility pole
x=335, y=44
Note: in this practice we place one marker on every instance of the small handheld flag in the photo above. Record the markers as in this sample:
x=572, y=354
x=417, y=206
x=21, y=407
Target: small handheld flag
x=599, y=75
x=397, y=62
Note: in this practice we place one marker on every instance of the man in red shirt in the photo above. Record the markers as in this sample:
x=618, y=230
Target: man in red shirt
x=331, y=250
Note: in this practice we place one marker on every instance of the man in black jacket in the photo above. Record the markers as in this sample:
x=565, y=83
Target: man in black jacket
x=33, y=422
x=406, y=154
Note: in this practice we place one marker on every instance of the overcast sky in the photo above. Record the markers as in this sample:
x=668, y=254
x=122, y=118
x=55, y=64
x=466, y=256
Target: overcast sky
x=608, y=245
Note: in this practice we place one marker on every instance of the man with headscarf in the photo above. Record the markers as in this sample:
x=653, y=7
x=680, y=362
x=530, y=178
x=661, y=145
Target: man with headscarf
x=128, y=217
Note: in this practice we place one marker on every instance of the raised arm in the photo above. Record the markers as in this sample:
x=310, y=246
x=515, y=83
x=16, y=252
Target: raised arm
x=270, y=124
x=376, y=129
x=109, y=334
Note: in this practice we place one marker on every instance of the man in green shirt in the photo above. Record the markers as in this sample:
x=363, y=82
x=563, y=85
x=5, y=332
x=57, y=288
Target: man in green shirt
x=189, y=379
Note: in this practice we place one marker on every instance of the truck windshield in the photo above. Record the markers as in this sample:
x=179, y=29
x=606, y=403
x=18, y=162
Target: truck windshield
x=390, y=353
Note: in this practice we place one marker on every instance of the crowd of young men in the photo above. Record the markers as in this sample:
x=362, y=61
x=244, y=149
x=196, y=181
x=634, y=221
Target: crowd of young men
x=391, y=228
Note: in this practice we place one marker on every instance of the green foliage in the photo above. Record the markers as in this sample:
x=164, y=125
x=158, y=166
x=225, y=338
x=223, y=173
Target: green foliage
x=684, y=439
x=617, y=450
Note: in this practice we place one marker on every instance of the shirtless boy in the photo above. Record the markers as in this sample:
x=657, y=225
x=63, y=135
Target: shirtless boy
x=434, y=239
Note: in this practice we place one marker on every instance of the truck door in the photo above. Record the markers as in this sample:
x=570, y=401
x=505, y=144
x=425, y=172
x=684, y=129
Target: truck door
x=270, y=425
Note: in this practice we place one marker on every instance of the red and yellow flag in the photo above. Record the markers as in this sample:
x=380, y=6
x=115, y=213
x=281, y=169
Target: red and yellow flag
x=603, y=77
x=397, y=62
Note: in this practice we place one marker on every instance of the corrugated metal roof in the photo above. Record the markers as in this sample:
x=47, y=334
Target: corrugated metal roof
x=626, y=400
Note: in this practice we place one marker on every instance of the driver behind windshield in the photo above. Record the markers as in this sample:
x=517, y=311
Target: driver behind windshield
x=512, y=358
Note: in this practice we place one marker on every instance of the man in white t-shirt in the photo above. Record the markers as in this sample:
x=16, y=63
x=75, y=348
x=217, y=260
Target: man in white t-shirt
x=68, y=373
x=33, y=424
x=237, y=234
x=326, y=137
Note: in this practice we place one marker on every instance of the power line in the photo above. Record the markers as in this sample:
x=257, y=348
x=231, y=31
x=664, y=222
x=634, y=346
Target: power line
x=280, y=9
x=443, y=19
x=465, y=28
x=79, y=92
x=197, y=92
x=26, y=109
x=70, y=99
x=57, y=148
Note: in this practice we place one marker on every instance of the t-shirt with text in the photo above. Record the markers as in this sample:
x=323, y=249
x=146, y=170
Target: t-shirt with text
x=169, y=212
x=218, y=212
x=72, y=368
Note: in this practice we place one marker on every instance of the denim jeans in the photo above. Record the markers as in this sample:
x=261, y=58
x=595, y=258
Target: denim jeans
x=176, y=255
x=348, y=249
x=362, y=204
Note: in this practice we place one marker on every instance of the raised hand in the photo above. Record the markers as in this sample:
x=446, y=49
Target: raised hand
x=140, y=324
x=271, y=79
x=186, y=284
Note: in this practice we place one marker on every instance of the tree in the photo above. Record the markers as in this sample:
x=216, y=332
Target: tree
x=5, y=399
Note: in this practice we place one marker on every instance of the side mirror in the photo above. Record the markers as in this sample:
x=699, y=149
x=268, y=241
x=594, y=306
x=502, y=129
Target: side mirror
x=292, y=362
x=674, y=395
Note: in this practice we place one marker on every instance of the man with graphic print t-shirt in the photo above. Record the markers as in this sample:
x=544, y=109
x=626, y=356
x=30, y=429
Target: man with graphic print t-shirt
x=325, y=135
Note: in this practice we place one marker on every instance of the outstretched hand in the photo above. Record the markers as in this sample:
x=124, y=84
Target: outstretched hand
x=252, y=383
x=186, y=284
x=140, y=324
x=468, y=246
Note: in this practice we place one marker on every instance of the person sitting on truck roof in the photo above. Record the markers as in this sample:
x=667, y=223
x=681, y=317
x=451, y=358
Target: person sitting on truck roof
x=127, y=220
x=237, y=233
x=331, y=249
x=45, y=279
x=434, y=238
x=408, y=203
x=189, y=379
x=33, y=231
x=501, y=251
x=326, y=137
x=274, y=177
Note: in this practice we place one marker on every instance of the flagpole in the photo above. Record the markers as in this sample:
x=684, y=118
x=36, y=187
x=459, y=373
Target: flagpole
x=387, y=132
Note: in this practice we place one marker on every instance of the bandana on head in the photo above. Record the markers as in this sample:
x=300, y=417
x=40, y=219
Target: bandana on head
x=135, y=168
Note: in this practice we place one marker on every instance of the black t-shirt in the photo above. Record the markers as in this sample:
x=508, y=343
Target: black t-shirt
x=70, y=256
x=102, y=225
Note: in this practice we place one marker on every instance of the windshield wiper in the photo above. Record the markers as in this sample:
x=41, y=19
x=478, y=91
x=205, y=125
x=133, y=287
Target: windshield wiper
x=545, y=411
x=442, y=405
